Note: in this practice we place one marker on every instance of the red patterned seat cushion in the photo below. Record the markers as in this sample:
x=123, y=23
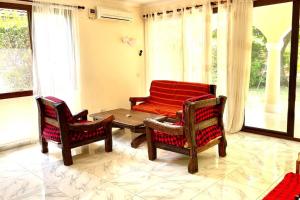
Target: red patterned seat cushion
x=167, y=97
x=53, y=133
x=202, y=136
x=287, y=189
x=169, y=111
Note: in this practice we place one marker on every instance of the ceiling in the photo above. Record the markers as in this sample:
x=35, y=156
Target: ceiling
x=144, y=2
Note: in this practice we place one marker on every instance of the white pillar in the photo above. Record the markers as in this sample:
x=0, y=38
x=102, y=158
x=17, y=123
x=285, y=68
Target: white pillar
x=273, y=77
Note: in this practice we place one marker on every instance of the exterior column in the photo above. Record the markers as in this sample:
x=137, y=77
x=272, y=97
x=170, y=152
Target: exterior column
x=273, y=77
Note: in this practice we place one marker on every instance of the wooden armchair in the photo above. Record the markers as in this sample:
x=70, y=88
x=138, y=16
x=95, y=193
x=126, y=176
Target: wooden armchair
x=57, y=124
x=200, y=128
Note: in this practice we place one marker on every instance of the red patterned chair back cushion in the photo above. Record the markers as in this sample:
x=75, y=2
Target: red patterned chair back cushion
x=174, y=93
x=208, y=112
x=202, y=136
x=204, y=113
x=50, y=112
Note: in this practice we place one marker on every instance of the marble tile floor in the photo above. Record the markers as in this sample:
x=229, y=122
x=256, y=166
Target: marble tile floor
x=253, y=165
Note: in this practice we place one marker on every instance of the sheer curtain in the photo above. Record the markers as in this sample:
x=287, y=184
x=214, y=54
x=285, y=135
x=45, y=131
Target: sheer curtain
x=55, y=51
x=239, y=61
x=164, y=47
x=197, y=43
x=179, y=47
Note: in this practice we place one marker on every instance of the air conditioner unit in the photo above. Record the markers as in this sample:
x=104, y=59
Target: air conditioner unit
x=114, y=14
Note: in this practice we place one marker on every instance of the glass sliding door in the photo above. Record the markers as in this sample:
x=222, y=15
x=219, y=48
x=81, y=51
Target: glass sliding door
x=267, y=104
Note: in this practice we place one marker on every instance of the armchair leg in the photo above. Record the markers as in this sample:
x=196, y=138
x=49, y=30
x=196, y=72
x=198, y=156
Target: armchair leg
x=44, y=145
x=222, y=147
x=193, y=162
x=108, y=140
x=67, y=156
x=152, y=152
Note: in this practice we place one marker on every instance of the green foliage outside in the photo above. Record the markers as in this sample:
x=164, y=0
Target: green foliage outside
x=286, y=62
x=258, y=60
x=258, y=64
x=15, y=52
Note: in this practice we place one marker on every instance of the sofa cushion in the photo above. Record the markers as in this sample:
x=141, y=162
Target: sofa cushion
x=287, y=189
x=174, y=93
x=169, y=111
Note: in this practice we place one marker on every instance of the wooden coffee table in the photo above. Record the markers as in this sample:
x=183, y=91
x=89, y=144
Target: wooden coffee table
x=133, y=120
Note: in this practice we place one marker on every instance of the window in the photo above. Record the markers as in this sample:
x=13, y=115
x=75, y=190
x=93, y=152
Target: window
x=15, y=51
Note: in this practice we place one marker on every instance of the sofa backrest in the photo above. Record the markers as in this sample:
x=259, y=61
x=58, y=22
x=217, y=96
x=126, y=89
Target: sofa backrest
x=174, y=93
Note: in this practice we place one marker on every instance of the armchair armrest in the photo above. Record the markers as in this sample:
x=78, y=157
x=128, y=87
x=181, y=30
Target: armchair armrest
x=134, y=100
x=83, y=115
x=179, y=114
x=298, y=164
x=164, y=127
x=89, y=126
x=174, y=120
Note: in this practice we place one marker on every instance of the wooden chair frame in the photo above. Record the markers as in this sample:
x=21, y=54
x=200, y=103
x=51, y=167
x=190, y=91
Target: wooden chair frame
x=189, y=130
x=64, y=127
x=298, y=164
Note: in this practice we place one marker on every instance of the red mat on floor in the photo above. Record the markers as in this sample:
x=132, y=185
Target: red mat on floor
x=287, y=189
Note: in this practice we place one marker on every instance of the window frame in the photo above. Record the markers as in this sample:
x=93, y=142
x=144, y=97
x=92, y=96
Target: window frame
x=28, y=8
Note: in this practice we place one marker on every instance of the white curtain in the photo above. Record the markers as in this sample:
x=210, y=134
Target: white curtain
x=55, y=51
x=206, y=40
x=239, y=61
x=164, y=47
x=179, y=47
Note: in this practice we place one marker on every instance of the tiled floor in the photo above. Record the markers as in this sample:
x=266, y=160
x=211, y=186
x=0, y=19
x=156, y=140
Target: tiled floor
x=252, y=166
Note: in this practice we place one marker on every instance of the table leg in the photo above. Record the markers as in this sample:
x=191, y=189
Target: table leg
x=138, y=140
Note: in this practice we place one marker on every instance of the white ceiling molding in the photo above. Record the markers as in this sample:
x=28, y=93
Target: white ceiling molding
x=167, y=5
x=125, y=3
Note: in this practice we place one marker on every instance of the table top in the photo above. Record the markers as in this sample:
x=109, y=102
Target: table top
x=127, y=118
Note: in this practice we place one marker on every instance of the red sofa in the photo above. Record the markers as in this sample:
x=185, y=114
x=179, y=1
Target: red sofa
x=167, y=97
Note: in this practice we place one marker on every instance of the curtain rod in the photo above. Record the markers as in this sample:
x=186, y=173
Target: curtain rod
x=180, y=9
x=57, y=4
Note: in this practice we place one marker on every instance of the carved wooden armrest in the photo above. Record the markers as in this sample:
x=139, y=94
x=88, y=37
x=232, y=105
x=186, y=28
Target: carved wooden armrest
x=169, y=129
x=82, y=115
x=298, y=164
x=90, y=126
x=179, y=114
x=134, y=100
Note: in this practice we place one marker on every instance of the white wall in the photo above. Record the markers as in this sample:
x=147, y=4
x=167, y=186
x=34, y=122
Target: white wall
x=111, y=71
x=18, y=119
